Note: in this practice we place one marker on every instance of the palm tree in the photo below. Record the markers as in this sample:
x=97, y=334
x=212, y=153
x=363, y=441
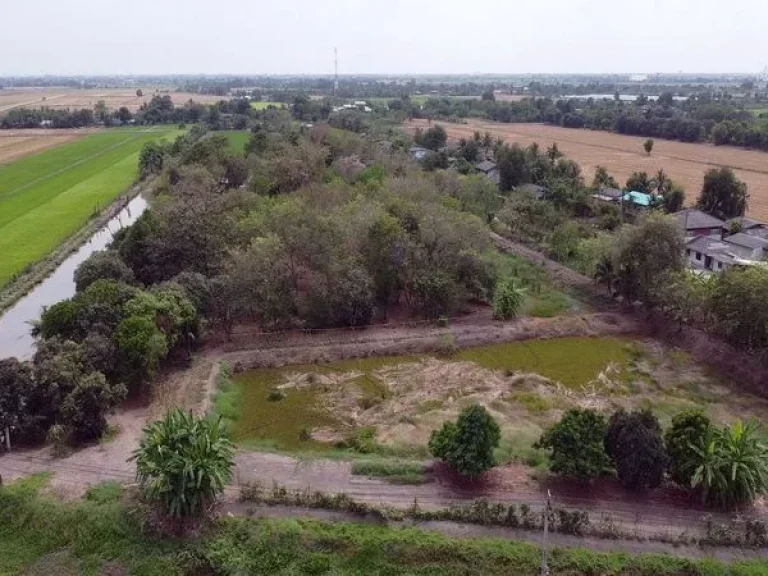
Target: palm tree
x=662, y=182
x=744, y=462
x=731, y=465
x=183, y=462
x=707, y=474
x=604, y=273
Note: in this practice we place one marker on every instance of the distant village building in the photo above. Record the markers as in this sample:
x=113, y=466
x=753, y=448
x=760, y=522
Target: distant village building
x=640, y=199
x=744, y=224
x=607, y=194
x=490, y=169
x=710, y=248
x=418, y=152
x=697, y=223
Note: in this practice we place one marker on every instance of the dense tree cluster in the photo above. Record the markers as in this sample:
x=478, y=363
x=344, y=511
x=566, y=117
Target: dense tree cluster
x=725, y=466
x=312, y=228
x=21, y=117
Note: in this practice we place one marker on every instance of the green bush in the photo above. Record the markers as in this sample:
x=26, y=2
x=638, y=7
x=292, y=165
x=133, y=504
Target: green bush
x=577, y=444
x=183, y=462
x=507, y=299
x=687, y=431
x=467, y=445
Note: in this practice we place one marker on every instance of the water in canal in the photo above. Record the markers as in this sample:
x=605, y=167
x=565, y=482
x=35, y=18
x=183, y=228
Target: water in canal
x=15, y=324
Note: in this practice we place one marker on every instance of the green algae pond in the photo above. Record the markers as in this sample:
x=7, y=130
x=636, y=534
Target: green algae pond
x=261, y=416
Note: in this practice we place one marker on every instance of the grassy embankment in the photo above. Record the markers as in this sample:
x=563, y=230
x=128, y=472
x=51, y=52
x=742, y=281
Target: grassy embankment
x=103, y=535
x=47, y=197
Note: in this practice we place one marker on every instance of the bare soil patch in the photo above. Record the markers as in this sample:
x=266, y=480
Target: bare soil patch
x=17, y=144
x=621, y=155
x=114, y=98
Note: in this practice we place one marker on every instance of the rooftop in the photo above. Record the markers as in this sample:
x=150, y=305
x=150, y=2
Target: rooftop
x=692, y=219
x=746, y=223
x=711, y=247
x=485, y=166
x=747, y=241
x=610, y=192
x=639, y=198
x=534, y=189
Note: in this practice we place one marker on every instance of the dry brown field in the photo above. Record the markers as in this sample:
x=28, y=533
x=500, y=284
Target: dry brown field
x=15, y=144
x=69, y=98
x=621, y=155
x=505, y=97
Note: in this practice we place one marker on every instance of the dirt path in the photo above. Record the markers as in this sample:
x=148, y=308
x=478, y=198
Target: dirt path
x=262, y=350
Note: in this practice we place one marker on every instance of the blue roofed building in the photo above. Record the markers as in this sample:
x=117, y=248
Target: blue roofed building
x=640, y=199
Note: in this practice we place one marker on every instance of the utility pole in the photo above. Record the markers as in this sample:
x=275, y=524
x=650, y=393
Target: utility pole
x=545, y=540
x=335, y=71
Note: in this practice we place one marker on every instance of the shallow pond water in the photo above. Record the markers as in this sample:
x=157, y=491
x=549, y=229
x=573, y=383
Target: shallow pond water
x=571, y=361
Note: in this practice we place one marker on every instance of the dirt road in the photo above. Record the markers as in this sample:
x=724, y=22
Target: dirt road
x=683, y=162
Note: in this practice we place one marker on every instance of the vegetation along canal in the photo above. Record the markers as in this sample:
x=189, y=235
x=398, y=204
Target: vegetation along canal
x=16, y=324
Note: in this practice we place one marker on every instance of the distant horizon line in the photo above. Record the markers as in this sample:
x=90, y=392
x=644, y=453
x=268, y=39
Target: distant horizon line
x=369, y=74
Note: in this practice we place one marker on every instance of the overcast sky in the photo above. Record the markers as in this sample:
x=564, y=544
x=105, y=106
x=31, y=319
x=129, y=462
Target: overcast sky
x=381, y=36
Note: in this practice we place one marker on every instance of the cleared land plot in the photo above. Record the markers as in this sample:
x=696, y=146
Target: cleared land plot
x=48, y=196
x=621, y=155
x=113, y=97
x=264, y=105
x=16, y=144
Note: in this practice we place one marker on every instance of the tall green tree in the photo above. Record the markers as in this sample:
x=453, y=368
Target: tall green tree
x=634, y=443
x=723, y=195
x=648, y=146
x=645, y=256
x=467, y=445
x=577, y=445
x=640, y=182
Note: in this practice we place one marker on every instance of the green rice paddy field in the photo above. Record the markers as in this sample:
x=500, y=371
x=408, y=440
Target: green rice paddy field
x=237, y=139
x=265, y=105
x=47, y=197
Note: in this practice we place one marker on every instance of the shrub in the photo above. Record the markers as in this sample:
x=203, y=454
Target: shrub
x=635, y=445
x=183, y=462
x=688, y=431
x=435, y=293
x=507, y=299
x=467, y=445
x=731, y=467
x=577, y=444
